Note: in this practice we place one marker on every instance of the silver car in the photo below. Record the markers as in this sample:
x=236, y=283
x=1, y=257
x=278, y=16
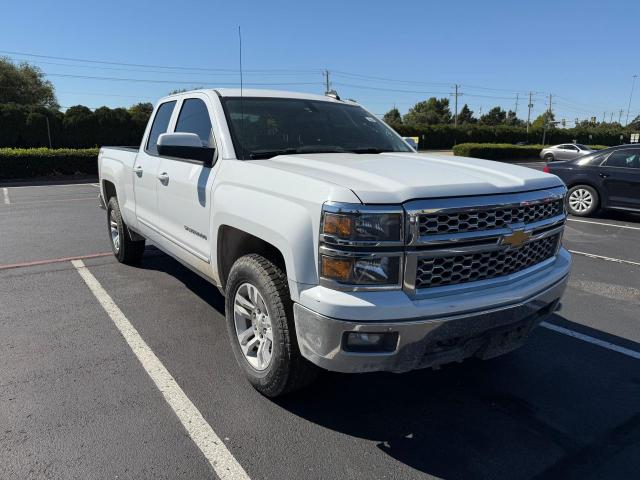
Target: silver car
x=564, y=151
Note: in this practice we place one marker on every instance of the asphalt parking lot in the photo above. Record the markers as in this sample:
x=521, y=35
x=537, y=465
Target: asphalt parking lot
x=77, y=402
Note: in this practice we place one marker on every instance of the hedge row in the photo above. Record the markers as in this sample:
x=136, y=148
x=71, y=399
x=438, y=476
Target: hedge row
x=43, y=162
x=446, y=136
x=27, y=126
x=502, y=151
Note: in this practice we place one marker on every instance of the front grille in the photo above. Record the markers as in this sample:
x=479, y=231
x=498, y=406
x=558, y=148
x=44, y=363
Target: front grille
x=455, y=269
x=487, y=219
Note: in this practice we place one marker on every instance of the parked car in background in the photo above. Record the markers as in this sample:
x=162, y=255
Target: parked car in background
x=608, y=178
x=411, y=141
x=564, y=151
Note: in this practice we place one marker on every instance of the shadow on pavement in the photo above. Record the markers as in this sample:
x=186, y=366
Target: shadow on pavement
x=556, y=408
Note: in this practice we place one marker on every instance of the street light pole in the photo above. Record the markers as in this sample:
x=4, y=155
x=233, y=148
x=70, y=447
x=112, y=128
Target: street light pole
x=633, y=84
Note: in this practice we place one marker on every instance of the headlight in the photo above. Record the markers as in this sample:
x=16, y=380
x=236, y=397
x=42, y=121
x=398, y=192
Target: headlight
x=367, y=270
x=362, y=226
x=357, y=247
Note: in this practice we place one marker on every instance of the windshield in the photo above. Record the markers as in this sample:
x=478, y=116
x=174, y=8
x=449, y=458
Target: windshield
x=285, y=126
x=582, y=147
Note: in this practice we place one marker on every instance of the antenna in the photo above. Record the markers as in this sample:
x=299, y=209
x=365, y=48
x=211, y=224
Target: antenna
x=241, y=93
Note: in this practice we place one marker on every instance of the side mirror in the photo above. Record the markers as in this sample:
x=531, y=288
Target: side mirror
x=185, y=145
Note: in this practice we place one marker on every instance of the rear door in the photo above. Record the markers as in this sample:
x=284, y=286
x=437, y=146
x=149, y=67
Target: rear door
x=145, y=170
x=620, y=175
x=184, y=199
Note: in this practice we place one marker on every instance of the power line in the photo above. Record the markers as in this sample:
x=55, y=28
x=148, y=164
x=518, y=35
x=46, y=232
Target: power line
x=170, y=72
x=169, y=67
x=183, y=82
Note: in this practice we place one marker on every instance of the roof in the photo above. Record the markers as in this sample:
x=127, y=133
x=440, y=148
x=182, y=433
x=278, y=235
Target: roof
x=254, y=92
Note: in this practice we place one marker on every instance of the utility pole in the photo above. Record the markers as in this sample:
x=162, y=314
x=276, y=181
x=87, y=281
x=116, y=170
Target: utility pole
x=604, y=115
x=611, y=118
x=516, y=110
x=529, y=114
x=48, y=130
x=550, y=97
x=633, y=84
x=620, y=113
x=456, y=95
x=327, y=82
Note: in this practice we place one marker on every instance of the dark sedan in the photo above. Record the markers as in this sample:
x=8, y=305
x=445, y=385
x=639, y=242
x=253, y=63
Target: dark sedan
x=608, y=178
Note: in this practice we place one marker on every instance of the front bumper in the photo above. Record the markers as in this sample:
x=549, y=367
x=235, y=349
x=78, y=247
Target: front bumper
x=429, y=340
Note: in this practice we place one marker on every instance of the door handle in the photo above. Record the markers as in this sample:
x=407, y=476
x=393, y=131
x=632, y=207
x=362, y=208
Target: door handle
x=604, y=175
x=138, y=170
x=164, y=178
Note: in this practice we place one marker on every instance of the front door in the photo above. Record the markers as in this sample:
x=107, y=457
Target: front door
x=184, y=196
x=621, y=178
x=145, y=171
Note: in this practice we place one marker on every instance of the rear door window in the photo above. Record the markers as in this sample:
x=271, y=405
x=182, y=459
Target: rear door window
x=160, y=125
x=624, y=158
x=194, y=118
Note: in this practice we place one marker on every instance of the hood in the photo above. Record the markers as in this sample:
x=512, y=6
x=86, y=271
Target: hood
x=399, y=177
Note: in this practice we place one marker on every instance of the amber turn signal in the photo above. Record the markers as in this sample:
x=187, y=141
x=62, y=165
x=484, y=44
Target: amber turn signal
x=337, y=268
x=339, y=225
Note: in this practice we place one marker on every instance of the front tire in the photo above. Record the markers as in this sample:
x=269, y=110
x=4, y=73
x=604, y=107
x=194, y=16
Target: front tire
x=259, y=315
x=582, y=200
x=123, y=247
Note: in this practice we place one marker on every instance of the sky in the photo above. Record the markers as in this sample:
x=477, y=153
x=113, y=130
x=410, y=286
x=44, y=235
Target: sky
x=382, y=54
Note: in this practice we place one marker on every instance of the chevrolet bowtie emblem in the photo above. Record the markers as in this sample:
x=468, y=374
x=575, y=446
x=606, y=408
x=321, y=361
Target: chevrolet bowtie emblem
x=516, y=239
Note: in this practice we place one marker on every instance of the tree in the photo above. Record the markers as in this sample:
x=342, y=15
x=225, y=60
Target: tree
x=465, y=115
x=140, y=114
x=513, y=120
x=392, y=117
x=635, y=123
x=24, y=84
x=495, y=116
x=430, y=112
x=543, y=119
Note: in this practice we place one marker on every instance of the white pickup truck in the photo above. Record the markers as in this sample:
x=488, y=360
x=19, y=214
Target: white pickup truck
x=335, y=243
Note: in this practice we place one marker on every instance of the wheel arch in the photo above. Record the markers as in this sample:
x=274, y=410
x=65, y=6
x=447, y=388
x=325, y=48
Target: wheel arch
x=234, y=243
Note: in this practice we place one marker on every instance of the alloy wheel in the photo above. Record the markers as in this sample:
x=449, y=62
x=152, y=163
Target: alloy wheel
x=115, y=233
x=580, y=200
x=253, y=326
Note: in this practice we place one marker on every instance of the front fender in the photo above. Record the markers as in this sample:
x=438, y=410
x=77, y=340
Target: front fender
x=291, y=227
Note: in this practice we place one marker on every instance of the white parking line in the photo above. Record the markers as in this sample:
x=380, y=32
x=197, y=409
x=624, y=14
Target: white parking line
x=6, y=196
x=586, y=338
x=601, y=257
x=603, y=223
x=222, y=461
x=57, y=185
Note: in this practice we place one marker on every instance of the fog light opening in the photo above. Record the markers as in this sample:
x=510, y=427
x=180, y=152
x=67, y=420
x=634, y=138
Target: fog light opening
x=370, y=342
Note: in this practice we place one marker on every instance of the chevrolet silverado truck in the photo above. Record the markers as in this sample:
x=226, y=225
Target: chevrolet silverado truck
x=336, y=245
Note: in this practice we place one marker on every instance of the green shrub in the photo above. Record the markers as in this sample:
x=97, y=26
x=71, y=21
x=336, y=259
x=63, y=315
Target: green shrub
x=502, y=151
x=497, y=151
x=446, y=136
x=42, y=162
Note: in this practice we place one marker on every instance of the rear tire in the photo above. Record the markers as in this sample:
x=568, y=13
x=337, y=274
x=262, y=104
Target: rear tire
x=259, y=314
x=549, y=157
x=123, y=247
x=582, y=200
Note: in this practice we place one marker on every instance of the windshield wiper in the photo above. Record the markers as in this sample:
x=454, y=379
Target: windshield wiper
x=261, y=154
x=257, y=154
x=369, y=150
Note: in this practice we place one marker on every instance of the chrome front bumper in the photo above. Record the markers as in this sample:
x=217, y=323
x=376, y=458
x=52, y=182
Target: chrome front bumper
x=425, y=342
